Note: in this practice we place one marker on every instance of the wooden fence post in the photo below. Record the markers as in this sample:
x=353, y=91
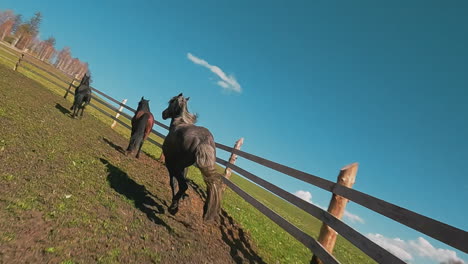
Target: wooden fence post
x=336, y=208
x=69, y=88
x=232, y=159
x=18, y=63
x=118, y=113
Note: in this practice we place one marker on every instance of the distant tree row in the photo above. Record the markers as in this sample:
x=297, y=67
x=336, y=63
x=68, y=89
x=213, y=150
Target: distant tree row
x=24, y=37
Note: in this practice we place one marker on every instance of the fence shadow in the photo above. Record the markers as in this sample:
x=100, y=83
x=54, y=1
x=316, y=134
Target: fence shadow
x=113, y=145
x=234, y=236
x=62, y=109
x=123, y=184
x=236, y=239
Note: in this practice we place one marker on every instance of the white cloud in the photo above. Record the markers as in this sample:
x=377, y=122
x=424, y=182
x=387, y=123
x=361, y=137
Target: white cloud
x=423, y=248
x=396, y=246
x=406, y=250
x=223, y=84
x=307, y=196
x=304, y=195
x=227, y=82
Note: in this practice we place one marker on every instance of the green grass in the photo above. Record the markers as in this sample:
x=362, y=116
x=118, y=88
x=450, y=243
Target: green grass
x=274, y=244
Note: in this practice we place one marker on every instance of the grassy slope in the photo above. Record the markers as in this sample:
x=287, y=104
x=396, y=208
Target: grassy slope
x=66, y=194
x=273, y=243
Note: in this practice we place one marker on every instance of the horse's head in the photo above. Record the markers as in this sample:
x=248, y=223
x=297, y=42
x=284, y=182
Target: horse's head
x=143, y=104
x=86, y=79
x=176, y=106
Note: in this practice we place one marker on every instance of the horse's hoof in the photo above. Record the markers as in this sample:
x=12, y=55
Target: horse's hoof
x=211, y=220
x=173, y=210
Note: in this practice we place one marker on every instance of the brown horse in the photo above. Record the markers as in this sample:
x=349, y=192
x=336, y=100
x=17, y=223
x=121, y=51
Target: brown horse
x=142, y=123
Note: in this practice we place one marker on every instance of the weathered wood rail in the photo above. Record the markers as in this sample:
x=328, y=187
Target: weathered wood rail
x=445, y=233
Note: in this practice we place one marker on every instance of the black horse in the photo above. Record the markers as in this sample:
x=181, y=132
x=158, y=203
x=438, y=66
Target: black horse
x=82, y=96
x=185, y=145
x=142, y=123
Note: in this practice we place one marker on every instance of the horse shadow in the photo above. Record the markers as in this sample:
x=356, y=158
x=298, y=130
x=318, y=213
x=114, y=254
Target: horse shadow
x=62, y=109
x=113, y=145
x=233, y=235
x=143, y=199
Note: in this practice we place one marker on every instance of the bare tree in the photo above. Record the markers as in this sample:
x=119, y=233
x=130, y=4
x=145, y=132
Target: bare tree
x=34, y=46
x=6, y=15
x=5, y=28
x=28, y=31
x=24, y=35
x=62, y=58
x=46, y=49
x=35, y=23
x=7, y=20
x=18, y=21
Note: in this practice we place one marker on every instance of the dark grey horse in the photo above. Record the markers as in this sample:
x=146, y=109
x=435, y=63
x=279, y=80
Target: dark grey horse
x=82, y=96
x=185, y=145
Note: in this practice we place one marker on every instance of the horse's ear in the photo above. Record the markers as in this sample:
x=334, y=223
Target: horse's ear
x=180, y=95
x=188, y=98
x=142, y=98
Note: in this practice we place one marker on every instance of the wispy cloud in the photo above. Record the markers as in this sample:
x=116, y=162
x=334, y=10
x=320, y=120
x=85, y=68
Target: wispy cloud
x=227, y=82
x=354, y=218
x=307, y=196
x=406, y=250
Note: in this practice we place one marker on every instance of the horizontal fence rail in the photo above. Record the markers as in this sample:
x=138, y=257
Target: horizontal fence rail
x=450, y=235
x=367, y=246
x=305, y=239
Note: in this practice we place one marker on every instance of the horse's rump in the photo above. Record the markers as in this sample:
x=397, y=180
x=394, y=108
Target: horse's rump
x=205, y=155
x=138, y=131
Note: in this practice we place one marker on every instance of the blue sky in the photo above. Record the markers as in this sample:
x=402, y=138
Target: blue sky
x=314, y=85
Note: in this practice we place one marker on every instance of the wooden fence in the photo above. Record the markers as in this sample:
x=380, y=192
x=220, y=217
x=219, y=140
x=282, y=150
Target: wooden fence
x=445, y=233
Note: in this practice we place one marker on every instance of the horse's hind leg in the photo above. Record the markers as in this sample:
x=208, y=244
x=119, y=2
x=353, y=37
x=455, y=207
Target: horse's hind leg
x=82, y=110
x=74, y=112
x=172, y=183
x=183, y=186
x=139, y=149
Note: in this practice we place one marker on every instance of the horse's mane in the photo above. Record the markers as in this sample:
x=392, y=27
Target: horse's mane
x=185, y=116
x=143, y=106
x=82, y=88
x=84, y=84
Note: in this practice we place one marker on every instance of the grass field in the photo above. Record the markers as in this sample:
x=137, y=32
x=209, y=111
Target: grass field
x=267, y=243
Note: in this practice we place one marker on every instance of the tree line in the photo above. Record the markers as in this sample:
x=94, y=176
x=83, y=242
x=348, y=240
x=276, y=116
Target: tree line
x=24, y=36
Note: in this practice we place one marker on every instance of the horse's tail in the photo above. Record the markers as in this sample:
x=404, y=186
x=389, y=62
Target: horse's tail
x=205, y=158
x=138, y=133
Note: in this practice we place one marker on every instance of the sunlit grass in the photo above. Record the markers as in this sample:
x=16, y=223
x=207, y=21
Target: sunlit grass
x=274, y=244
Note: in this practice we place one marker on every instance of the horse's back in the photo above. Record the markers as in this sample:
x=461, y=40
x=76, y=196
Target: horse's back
x=185, y=140
x=141, y=115
x=83, y=89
